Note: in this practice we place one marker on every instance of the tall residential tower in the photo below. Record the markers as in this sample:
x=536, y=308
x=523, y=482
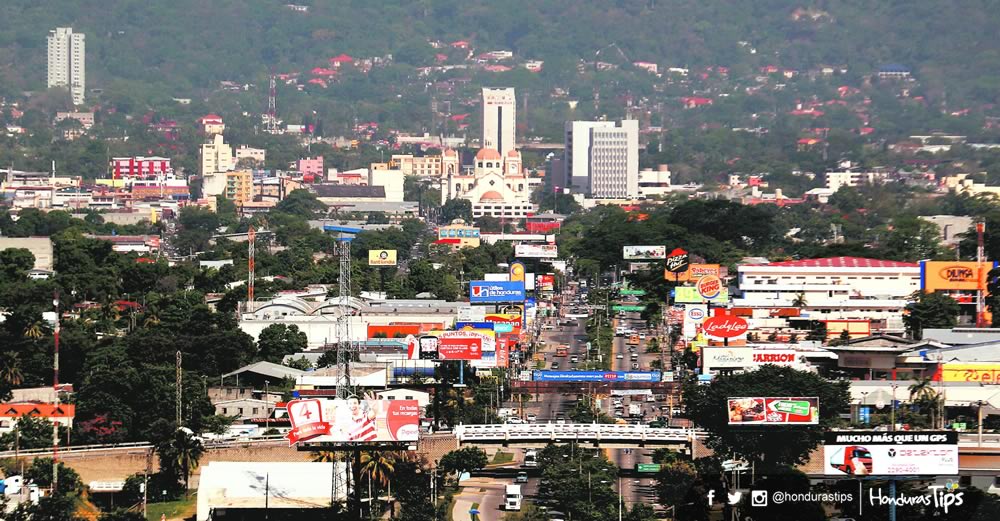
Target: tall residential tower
x=67, y=62
x=498, y=120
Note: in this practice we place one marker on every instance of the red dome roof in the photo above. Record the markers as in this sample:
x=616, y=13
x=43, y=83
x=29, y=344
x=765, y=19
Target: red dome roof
x=492, y=195
x=487, y=153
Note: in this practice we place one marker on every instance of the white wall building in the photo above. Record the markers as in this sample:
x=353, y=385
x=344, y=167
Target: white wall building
x=216, y=156
x=602, y=157
x=836, y=288
x=246, y=152
x=496, y=186
x=499, y=117
x=654, y=182
x=836, y=180
x=67, y=62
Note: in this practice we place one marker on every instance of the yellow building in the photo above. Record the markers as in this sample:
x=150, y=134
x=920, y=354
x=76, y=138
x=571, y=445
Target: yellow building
x=239, y=186
x=427, y=166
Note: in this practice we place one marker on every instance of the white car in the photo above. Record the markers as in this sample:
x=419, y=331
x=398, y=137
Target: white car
x=642, y=336
x=619, y=356
x=515, y=420
x=531, y=417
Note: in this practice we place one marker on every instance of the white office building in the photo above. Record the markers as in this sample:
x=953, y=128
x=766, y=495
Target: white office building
x=67, y=62
x=835, y=288
x=499, y=117
x=602, y=158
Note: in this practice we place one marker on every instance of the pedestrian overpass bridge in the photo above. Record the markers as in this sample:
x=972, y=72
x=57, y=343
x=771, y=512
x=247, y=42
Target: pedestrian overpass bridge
x=597, y=435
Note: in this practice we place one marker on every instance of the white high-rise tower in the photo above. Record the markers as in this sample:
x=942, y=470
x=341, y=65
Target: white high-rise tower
x=67, y=62
x=499, y=117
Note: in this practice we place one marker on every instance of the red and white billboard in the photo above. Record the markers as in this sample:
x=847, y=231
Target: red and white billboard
x=353, y=421
x=725, y=326
x=545, y=282
x=451, y=345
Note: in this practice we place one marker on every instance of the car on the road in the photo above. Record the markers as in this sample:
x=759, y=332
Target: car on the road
x=531, y=417
x=514, y=420
x=642, y=336
x=555, y=365
x=618, y=412
x=619, y=356
x=574, y=359
x=522, y=477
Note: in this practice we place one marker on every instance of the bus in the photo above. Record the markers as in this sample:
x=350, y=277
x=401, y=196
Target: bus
x=530, y=459
x=633, y=340
x=562, y=351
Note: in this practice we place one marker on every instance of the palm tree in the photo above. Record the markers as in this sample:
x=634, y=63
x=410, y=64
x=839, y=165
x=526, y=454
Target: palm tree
x=922, y=392
x=181, y=453
x=10, y=369
x=800, y=301
x=378, y=466
x=325, y=456
x=35, y=331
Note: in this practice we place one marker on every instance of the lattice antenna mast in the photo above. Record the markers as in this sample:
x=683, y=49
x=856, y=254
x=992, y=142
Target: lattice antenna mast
x=272, y=106
x=345, y=348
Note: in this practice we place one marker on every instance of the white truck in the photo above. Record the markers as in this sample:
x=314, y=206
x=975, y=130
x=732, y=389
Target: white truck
x=512, y=498
x=634, y=410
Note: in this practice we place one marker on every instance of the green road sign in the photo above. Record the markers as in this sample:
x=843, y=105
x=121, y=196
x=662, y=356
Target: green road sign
x=647, y=467
x=636, y=292
x=628, y=308
x=796, y=407
x=958, y=426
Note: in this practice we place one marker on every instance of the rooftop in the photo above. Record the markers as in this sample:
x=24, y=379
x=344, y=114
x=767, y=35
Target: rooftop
x=373, y=192
x=843, y=262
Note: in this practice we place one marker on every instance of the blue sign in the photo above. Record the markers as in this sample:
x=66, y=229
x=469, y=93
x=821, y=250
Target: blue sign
x=530, y=303
x=487, y=291
x=474, y=325
x=596, y=376
x=864, y=414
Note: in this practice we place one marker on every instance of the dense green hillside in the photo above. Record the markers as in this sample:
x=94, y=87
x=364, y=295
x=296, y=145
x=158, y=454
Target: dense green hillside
x=182, y=45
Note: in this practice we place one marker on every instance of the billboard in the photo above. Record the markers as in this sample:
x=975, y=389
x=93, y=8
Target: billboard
x=482, y=291
x=690, y=295
x=879, y=453
x=644, y=252
x=694, y=273
x=381, y=257
x=353, y=421
x=545, y=282
x=678, y=261
x=596, y=376
x=981, y=373
x=536, y=251
x=509, y=321
x=769, y=411
x=954, y=275
x=451, y=345
x=725, y=326
x=747, y=357
x=709, y=287
x=517, y=272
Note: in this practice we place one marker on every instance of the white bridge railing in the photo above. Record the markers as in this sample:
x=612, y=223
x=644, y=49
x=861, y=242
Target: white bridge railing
x=588, y=432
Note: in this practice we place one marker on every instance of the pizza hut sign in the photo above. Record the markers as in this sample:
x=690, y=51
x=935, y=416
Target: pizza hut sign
x=677, y=261
x=725, y=326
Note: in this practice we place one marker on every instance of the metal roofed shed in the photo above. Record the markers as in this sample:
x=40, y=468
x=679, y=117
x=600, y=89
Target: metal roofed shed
x=259, y=371
x=235, y=490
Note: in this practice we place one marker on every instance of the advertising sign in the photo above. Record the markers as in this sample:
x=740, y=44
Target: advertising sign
x=451, y=345
x=474, y=325
x=545, y=282
x=775, y=357
x=695, y=313
x=510, y=321
x=471, y=313
x=761, y=411
x=381, y=257
x=725, y=326
x=517, y=272
x=726, y=358
x=690, y=295
x=353, y=421
x=629, y=308
x=482, y=291
x=536, y=251
x=596, y=376
x=677, y=261
x=644, y=252
x=953, y=275
x=694, y=273
x=878, y=453
x=709, y=287
x=981, y=373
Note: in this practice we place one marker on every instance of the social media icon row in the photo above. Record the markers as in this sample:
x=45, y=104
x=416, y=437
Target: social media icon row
x=733, y=497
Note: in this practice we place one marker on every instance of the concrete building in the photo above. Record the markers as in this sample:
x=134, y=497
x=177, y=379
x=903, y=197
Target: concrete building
x=86, y=119
x=67, y=62
x=836, y=180
x=140, y=167
x=11, y=413
x=391, y=182
x=459, y=235
x=602, y=158
x=212, y=124
x=257, y=155
x=426, y=166
x=239, y=186
x=499, y=118
x=836, y=288
x=495, y=186
x=40, y=247
x=950, y=227
x=216, y=156
x=653, y=183
x=311, y=167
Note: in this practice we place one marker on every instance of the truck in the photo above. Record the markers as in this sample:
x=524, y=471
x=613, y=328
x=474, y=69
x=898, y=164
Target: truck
x=634, y=410
x=530, y=459
x=512, y=497
x=562, y=351
x=852, y=460
x=633, y=340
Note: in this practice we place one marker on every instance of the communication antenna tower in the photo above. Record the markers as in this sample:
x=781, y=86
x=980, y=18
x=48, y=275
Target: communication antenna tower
x=272, y=106
x=251, y=239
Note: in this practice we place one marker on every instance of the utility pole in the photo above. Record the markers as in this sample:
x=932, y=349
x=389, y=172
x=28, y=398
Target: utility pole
x=179, y=391
x=251, y=238
x=55, y=389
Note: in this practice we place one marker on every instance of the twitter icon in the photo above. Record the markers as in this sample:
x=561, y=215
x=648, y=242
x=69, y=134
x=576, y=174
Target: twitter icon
x=735, y=497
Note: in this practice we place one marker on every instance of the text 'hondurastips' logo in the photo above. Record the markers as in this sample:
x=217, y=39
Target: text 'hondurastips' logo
x=957, y=273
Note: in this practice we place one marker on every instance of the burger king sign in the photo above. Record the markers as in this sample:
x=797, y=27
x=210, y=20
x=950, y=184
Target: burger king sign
x=709, y=287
